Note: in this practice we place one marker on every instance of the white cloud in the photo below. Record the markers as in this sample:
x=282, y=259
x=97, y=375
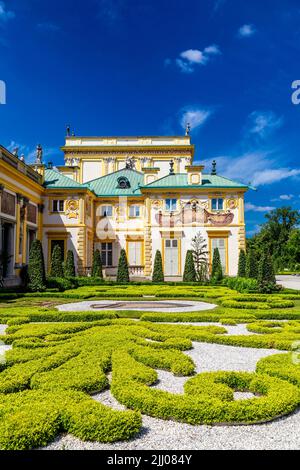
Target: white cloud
x=196, y=117
x=284, y=197
x=273, y=176
x=194, y=56
x=5, y=14
x=191, y=57
x=252, y=207
x=48, y=27
x=263, y=123
x=257, y=168
x=246, y=31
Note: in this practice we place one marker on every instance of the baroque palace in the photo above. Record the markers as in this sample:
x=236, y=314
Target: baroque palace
x=139, y=193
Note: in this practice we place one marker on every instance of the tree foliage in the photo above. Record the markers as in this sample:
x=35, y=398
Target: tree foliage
x=189, y=274
x=70, y=264
x=97, y=268
x=158, y=272
x=123, y=272
x=217, y=271
x=242, y=264
x=251, y=264
x=36, y=267
x=57, y=262
x=200, y=254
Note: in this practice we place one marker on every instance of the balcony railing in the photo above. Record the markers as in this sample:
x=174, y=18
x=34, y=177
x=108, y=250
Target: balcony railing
x=13, y=161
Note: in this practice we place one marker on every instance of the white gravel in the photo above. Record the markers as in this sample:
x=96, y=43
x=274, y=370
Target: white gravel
x=180, y=306
x=3, y=347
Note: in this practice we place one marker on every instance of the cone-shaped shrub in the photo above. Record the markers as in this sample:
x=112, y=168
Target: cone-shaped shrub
x=70, y=265
x=36, y=267
x=266, y=276
x=251, y=264
x=97, y=270
x=123, y=273
x=217, y=272
x=242, y=264
x=158, y=272
x=57, y=262
x=189, y=274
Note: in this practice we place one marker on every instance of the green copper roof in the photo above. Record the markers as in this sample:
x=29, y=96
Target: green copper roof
x=56, y=180
x=108, y=185
x=180, y=180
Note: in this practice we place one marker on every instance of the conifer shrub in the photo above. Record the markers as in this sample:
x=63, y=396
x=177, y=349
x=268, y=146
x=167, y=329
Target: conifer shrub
x=36, y=267
x=70, y=265
x=123, y=272
x=251, y=264
x=217, y=271
x=57, y=262
x=97, y=268
x=242, y=264
x=266, y=274
x=158, y=272
x=189, y=274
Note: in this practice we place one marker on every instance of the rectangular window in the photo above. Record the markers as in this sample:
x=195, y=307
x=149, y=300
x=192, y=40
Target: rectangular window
x=134, y=211
x=58, y=205
x=107, y=254
x=135, y=253
x=217, y=204
x=171, y=205
x=220, y=243
x=106, y=211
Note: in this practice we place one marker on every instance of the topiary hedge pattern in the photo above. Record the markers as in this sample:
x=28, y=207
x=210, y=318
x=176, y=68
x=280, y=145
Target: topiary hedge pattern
x=123, y=272
x=36, y=267
x=52, y=369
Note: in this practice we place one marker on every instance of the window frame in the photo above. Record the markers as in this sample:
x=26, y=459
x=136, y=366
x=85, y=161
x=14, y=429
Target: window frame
x=217, y=208
x=169, y=204
x=133, y=207
x=106, y=251
x=103, y=210
x=60, y=206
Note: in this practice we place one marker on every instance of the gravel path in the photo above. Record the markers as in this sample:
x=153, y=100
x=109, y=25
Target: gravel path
x=290, y=282
x=3, y=347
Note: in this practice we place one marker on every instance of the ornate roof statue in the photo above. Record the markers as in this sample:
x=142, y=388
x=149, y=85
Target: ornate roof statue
x=214, y=168
x=39, y=154
x=172, y=167
x=15, y=151
x=130, y=163
x=68, y=130
x=188, y=129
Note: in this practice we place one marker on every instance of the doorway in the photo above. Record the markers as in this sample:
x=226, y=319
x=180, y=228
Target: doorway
x=171, y=257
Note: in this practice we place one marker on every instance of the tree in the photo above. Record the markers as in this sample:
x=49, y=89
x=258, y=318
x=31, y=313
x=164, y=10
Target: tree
x=293, y=249
x=200, y=254
x=189, y=274
x=56, y=262
x=158, y=272
x=70, y=265
x=36, y=267
x=123, y=272
x=217, y=271
x=97, y=269
x=251, y=264
x=242, y=264
x=275, y=233
x=266, y=277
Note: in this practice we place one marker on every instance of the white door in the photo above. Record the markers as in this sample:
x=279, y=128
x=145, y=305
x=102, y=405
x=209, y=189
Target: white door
x=135, y=253
x=171, y=257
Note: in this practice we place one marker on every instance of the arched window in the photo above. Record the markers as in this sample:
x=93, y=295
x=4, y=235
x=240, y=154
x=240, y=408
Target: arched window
x=123, y=182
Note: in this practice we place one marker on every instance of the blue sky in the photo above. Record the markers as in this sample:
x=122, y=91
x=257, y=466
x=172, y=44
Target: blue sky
x=128, y=67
